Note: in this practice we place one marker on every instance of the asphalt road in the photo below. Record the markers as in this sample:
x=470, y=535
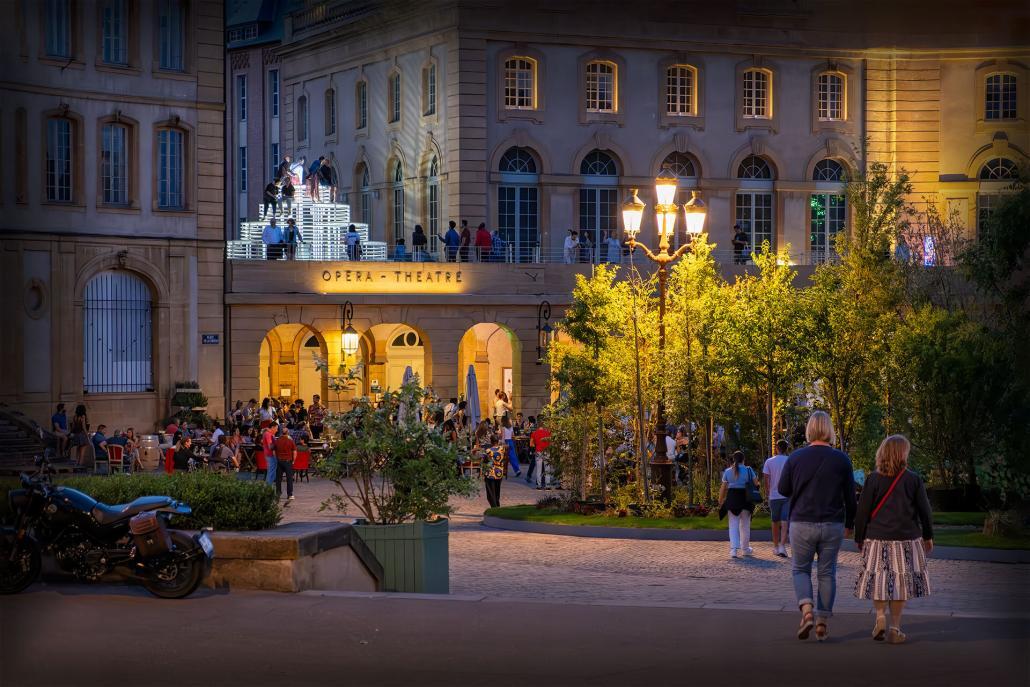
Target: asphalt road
x=108, y=635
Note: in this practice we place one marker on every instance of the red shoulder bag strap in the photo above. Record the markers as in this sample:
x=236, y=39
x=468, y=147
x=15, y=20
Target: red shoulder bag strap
x=887, y=495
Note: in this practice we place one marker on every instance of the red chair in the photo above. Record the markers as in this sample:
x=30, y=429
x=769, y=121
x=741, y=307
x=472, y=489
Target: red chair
x=115, y=459
x=301, y=465
x=261, y=465
x=170, y=460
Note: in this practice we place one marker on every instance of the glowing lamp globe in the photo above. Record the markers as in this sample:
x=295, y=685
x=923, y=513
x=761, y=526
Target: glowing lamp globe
x=632, y=212
x=696, y=211
x=350, y=340
x=665, y=187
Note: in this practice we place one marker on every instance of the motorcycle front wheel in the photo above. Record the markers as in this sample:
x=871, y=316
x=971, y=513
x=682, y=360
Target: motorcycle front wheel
x=180, y=576
x=20, y=563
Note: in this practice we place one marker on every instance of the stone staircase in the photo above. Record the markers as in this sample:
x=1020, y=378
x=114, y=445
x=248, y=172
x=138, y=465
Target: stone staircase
x=21, y=440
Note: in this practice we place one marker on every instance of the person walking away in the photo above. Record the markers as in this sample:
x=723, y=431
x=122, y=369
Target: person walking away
x=268, y=446
x=779, y=507
x=733, y=497
x=293, y=238
x=312, y=178
x=270, y=198
x=498, y=246
x=740, y=241
x=353, y=238
x=288, y=192
x=272, y=236
x=819, y=482
x=59, y=426
x=483, y=243
x=540, y=442
x=495, y=468
x=316, y=416
x=451, y=242
x=894, y=534
x=79, y=434
x=418, y=244
x=508, y=436
x=464, y=241
x=570, y=247
x=285, y=454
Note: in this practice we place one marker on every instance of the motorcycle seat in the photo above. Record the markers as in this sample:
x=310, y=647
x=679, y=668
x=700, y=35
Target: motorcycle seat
x=105, y=515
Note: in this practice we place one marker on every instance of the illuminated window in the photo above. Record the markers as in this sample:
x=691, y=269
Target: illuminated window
x=520, y=83
x=754, y=201
x=170, y=179
x=171, y=35
x=114, y=164
x=601, y=84
x=757, y=90
x=330, y=112
x=114, y=26
x=680, y=89
x=828, y=212
x=395, y=98
x=59, y=160
x=1000, y=97
x=831, y=96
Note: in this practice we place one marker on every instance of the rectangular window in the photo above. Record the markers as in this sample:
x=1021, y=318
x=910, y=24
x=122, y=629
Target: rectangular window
x=302, y=118
x=243, y=169
x=756, y=94
x=986, y=203
x=330, y=112
x=362, y=105
x=831, y=97
x=429, y=91
x=58, y=28
x=755, y=216
x=827, y=218
x=600, y=87
x=517, y=220
x=395, y=98
x=434, y=213
x=598, y=213
x=273, y=156
x=273, y=91
x=114, y=164
x=519, y=84
x=171, y=33
x=59, y=160
x=366, y=208
x=398, y=212
x=679, y=91
x=170, y=170
x=114, y=17
x=241, y=96
x=1000, y=97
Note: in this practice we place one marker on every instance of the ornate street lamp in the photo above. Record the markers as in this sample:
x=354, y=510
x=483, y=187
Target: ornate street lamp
x=544, y=331
x=350, y=335
x=666, y=212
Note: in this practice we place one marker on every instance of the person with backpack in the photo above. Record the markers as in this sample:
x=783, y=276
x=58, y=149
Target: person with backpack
x=779, y=510
x=820, y=483
x=894, y=533
x=737, y=500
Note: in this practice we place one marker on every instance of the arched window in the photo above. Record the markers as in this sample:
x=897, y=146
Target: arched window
x=60, y=146
x=680, y=164
x=518, y=202
x=302, y=119
x=330, y=112
x=757, y=91
x=117, y=334
x=830, y=97
x=754, y=201
x=828, y=211
x=433, y=202
x=398, y=201
x=601, y=84
x=681, y=90
x=520, y=83
x=1000, y=96
x=997, y=169
x=408, y=339
x=598, y=205
x=996, y=177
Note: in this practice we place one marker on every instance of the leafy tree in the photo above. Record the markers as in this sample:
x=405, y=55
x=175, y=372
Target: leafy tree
x=877, y=201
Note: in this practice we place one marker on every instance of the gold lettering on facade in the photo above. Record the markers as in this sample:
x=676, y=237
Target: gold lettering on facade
x=370, y=280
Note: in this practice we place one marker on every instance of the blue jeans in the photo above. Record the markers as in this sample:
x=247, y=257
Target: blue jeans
x=513, y=456
x=272, y=464
x=807, y=540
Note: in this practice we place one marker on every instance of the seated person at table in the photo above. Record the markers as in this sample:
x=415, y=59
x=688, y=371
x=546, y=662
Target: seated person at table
x=222, y=457
x=301, y=433
x=183, y=453
x=100, y=443
x=118, y=439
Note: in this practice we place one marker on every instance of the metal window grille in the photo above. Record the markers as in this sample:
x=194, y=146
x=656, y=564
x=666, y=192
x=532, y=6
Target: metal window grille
x=362, y=98
x=241, y=95
x=754, y=167
x=600, y=87
x=827, y=218
x=302, y=118
x=395, y=98
x=831, y=97
x=430, y=91
x=171, y=25
x=828, y=170
x=117, y=335
x=59, y=160
x=680, y=165
x=517, y=161
x=273, y=91
x=754, y=213
x=679, y=90
x=997, y=169
x=170, y=169
x=519, y=88
x=114, y=164
x=58, y=28
x=598, y=163
x=330, y=112
x=1000, y=97
x=756, y=94
x=115, y=39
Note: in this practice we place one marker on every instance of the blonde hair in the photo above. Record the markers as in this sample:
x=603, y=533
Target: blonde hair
x=820, y=428
x=892, y=456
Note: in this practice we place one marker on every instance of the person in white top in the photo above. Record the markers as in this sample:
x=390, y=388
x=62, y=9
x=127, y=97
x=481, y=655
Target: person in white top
x=779, y=507
x=501, y=406
x=614, y=248
x=571, y=247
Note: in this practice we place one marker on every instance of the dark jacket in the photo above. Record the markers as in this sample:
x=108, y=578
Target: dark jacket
x=820, y=484
x=418, y=239
x=905, y=514
x=271, y=193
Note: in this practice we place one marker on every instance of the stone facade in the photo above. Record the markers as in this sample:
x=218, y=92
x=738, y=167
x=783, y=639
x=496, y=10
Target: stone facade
x=73, y=78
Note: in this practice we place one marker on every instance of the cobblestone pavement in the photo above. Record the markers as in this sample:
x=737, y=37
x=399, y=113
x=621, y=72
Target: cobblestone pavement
x=552, y=568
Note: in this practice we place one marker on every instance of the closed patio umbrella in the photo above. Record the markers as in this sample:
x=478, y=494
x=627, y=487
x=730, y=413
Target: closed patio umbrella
x=472, y=398
x=403, y=410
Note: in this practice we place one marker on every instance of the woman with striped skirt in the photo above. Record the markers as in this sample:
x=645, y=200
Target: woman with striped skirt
x=894, y=532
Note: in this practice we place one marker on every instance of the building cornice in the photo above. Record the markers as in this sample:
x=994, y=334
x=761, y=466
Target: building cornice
x=108, y=97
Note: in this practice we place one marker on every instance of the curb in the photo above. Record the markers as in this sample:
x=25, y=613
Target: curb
x=947, y=553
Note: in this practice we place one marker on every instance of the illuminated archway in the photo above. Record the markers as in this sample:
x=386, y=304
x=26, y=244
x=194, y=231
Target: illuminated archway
x=394, y=348
x=287, y=363
x=496, y=353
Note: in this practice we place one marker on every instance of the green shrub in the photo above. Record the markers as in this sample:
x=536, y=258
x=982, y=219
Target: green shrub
x=219, y=501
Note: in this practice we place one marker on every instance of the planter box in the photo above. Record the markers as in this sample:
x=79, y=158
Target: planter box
x=414, y=555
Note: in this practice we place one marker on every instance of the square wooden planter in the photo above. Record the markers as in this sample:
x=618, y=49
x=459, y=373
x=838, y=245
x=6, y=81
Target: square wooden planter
x=414, y=555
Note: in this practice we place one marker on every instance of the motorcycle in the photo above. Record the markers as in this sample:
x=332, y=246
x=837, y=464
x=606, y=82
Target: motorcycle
x=90, y=539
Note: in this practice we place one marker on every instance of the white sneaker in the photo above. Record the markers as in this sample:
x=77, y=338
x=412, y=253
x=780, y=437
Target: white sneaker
x=733, y=553
x=749, y=552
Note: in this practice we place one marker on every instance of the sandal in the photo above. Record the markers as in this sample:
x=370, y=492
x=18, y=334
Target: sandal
x=821, y=632
x=806, y=625
x=895, y=636
x=880, y=629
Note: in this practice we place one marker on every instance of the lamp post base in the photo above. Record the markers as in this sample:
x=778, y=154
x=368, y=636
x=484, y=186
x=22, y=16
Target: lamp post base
x=661, y=474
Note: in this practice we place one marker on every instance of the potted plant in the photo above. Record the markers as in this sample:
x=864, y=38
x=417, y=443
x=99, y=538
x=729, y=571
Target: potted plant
x=399, y=474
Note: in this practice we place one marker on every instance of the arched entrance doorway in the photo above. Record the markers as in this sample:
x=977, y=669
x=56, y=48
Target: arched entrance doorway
x=287, y=363
x=397, y=346
x=495, y=353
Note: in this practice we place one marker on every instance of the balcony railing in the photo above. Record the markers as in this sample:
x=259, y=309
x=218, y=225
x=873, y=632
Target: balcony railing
x=326, y=14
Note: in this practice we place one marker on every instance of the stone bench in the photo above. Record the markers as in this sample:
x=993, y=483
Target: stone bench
x=294, y=558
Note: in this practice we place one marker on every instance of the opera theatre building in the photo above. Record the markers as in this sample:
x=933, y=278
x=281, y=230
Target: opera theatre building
x=534, y=118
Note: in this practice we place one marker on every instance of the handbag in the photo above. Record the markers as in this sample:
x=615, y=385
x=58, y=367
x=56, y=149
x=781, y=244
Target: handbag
x=752, y=494
x=885, y=496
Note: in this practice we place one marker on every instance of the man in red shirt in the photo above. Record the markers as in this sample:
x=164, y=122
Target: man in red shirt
x=285, y=452
x=483, y=243
x=540, y=442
